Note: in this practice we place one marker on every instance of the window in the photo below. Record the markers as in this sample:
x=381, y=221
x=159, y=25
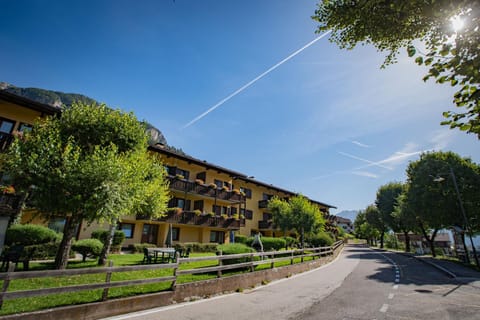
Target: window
x=233, y=210
x=6, y=126
x=127, y=228
x=175, y=234
x=247, y=213
x=183, y=173
x=267, y=196
x=171, y=170
x=179, y=203
x=25, y=127
x=219, y=210
x=217, y=236
x=219, y=183
x=248, y=192
x=198, y=205
x=267, y=216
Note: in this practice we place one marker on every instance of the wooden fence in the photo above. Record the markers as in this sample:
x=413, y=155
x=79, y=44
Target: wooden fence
x=253, y=259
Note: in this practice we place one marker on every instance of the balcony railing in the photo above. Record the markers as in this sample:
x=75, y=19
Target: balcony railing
x=6, y=140
x=9, y=203
x=266, y=225
x=262, y=204
x=191, y=218
x=204, y=190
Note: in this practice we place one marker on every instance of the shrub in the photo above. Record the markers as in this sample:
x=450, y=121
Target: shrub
x=291, y=242
x=240, y=238
x=138, y=247
x=88, y=247
x=269, y=243
x=322, y=239
x=273, y=244
x=117, y=241
x=29, y=234
x=235, y=248
x=201, y=247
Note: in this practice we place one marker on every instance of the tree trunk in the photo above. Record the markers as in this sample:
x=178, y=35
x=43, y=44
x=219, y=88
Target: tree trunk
x=407, y=241
x=61, y=259
x=382, y=236
x=102, y=260
x=467, y=256
x=430, y=240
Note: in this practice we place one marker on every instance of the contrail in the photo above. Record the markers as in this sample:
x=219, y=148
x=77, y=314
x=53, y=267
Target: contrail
x=371, y=163
x=218, y=104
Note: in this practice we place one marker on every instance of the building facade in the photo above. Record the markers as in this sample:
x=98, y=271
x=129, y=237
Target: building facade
x=208, y=203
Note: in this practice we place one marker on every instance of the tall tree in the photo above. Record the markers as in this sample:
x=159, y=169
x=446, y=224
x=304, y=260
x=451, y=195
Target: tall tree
x=306, y=218
x=363, y=230
x=404, y=219
x=282, y=217
x=375, y=219
x=75, y=167
x=386, y=201
x=436, y=203
x=448, y=29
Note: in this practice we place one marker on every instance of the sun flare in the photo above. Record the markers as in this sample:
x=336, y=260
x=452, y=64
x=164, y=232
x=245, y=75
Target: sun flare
x=457, y=23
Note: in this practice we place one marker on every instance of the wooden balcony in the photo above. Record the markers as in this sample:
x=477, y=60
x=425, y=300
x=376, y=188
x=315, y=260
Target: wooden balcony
x=6, y=140
x=191, y=218
x=191, y=187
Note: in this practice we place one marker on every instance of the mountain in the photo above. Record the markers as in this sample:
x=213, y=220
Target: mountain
x=348, y=214
x=60, y=99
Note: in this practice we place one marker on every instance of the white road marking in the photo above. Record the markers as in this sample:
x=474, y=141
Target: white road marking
x=384, y=308
x=395, y=287
x=390, y=296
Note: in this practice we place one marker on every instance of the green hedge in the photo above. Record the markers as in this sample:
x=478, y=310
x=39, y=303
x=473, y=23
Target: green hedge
x=117, y=241
x=269, y=243
x=240, y=239
x=322, y=239
x=88, y=248
x=29, y=234
x=235, y=248
x=201, y=247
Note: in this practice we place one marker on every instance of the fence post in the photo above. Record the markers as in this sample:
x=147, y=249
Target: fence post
x=291, y=257
x=174, y=283
x=6, y=282
x=303, y=252
x=107, y=280
x=220, y=263
x=252, y=267
x=272, y=264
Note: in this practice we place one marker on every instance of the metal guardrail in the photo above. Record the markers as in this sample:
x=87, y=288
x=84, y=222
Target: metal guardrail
x=253, y=259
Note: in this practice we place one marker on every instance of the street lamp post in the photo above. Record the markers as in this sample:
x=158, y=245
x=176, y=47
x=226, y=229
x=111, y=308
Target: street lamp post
x=462, y=209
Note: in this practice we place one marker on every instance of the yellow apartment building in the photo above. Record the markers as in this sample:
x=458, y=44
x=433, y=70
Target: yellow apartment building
x=208, y=203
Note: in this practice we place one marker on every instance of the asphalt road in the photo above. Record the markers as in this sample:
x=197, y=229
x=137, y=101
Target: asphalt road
x=359, y=284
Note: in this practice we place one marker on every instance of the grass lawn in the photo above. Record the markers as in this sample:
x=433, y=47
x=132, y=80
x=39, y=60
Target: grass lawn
x=44, y=302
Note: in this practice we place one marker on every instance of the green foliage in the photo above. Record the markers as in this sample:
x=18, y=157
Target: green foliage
x=235, y=248
x=291, y=242
x=273, y=244
x=90, y=164
x=451, y=55
x=364, y=230
x=239, y=238
x=29, y=234
x=322, y=239
x=201, y=247
x=280, y=210
x=88, y=248
x=102, y=235
x=386, y=201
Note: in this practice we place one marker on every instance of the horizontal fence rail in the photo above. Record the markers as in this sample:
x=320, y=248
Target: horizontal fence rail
x=251, y=260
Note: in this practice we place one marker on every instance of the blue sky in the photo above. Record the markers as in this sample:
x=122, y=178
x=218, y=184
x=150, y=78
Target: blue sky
x=327, y=123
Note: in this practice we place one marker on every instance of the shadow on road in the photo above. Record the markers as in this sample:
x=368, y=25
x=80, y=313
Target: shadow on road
x=412, y=270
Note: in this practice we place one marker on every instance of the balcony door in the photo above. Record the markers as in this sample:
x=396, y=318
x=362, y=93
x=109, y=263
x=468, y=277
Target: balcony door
x=149, y=233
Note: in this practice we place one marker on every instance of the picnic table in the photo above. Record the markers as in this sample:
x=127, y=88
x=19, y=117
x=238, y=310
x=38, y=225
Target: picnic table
x=164, y=253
